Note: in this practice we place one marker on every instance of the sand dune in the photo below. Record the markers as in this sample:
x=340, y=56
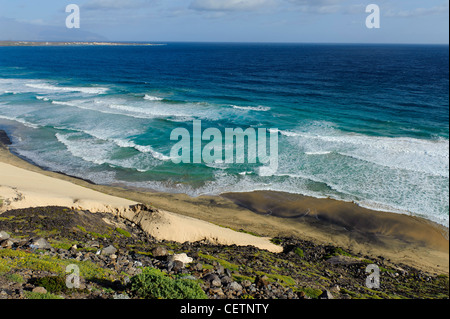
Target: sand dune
x=20, y=188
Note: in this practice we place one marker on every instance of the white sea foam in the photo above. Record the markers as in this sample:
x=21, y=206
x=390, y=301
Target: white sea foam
x=64, y=103
x=152, y=98
x=42, y=98
x=318, y=153
x=141, y=148
x=95, y=153
x=120, y=142
x=259, y=108
x=426, y=156
x=50, y=87
x=19, y=120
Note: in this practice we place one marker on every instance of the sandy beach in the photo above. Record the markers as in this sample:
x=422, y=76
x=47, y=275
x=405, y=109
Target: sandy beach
x=21, y=188
x=218, y=219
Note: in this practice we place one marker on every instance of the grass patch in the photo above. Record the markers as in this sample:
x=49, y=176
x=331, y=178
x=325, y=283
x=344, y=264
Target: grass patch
x=11, y=260
x=224, y=263
x=313, y=293
x=62, y=243
x=282, y=279
x=46, y=233
x=15, y=278
x=6, y=219
x=337, y=251
x=154, y=284
x=123, y=232
x=299, y=252
x=208, y=266
x=93, y=234
x=276, y=241
x=240, y=278
x=36, y=295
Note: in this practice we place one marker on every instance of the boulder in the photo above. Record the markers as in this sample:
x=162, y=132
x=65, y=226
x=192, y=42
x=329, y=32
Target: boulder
x=160, y=251
x=211, y=277
x=185, y=259
x=220, y=269
x=235, y=286
x=40, y=290
x=6, y=243
x=326, y=295
x=4, y=235
x=178, y=265
x=197, y=267
x=40, y=243
x=110, y=250
x=216, y=283
x=226, y=280
x=262, y=281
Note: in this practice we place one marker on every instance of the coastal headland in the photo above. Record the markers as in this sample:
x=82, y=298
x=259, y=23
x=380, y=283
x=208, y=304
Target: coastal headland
x=70, y=43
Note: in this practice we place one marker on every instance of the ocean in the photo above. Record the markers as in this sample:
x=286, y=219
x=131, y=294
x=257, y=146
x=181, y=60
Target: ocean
x=361, y=123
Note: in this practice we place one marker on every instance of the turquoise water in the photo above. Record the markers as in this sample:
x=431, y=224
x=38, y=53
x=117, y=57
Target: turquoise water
x=363, y=123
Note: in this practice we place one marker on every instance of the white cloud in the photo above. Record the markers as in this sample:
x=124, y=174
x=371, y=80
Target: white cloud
x=318, y=6
x=115, y=4
x=444, y=8
x=229, y=5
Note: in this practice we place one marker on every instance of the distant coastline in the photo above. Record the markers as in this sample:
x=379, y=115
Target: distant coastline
x=70, y=43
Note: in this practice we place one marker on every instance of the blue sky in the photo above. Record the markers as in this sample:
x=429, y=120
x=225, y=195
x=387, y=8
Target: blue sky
x=343, y=21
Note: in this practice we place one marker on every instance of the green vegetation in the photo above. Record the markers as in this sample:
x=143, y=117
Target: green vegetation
x=37, y=295
x=15, y=259
x=123, y=232
x=299, y=252
x=337, y=251
x=94, y=234
x=311, y=292
x=223, y=262
x=282, y=279
x=52, y=284
x=240, y=278
x=154, y=284
x=276, y=241
x=46, y=233
x=15, y=278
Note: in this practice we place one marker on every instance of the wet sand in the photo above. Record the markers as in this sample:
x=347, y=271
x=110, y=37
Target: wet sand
x=400, y=238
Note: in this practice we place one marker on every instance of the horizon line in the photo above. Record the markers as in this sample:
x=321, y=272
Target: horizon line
x=226, y=42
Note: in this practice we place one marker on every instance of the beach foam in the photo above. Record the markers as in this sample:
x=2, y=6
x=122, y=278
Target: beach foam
x=259, y=108
x=50, y=87
x=152, y=98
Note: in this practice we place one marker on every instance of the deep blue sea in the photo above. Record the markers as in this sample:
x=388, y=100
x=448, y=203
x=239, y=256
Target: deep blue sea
x=362, y=123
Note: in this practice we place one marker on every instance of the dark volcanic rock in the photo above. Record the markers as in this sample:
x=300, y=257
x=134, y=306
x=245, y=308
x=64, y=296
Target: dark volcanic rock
x=4, y=138
x=318, y=272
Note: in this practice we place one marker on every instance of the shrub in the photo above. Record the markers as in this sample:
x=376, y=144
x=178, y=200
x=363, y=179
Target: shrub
x=52, y=284
x=15, y=277
x=276, y=241
x=299, y=252
x=153, y=284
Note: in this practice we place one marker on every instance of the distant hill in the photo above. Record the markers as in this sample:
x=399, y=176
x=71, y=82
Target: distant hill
x=12, y=30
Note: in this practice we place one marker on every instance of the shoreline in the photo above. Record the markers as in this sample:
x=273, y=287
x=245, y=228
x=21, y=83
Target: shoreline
x=71, y=43
x=400, y=238
x=23, y=186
